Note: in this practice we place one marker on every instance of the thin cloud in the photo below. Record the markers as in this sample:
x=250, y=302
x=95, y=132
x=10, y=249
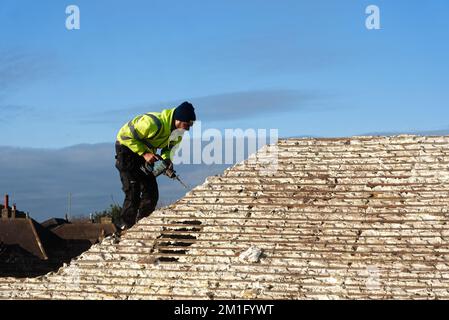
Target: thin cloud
x=441, y=132
x=230, y=106
x=9, y=111
x=225, y=106
x=19, y=69
x=39, y=180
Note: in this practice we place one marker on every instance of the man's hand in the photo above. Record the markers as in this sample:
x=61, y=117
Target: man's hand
x=169, y=172
x=169, y=163
x=151, y=157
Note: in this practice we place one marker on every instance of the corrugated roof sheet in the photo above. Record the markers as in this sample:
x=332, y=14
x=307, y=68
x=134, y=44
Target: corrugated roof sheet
x=360, y=217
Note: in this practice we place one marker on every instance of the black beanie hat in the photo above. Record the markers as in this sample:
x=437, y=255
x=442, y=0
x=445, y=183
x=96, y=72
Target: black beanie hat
x=185, y=112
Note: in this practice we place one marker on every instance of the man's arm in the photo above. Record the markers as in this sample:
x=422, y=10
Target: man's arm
x=143, y=127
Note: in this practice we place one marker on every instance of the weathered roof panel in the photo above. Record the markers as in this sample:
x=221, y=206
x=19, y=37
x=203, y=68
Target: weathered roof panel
x=360, y=217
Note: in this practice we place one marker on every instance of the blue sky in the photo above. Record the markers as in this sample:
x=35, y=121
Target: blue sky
x=304, y=67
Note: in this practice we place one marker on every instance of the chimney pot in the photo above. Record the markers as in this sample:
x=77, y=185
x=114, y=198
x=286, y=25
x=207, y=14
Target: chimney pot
x=5, y=211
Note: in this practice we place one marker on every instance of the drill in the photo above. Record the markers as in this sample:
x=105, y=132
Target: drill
x=161, y=167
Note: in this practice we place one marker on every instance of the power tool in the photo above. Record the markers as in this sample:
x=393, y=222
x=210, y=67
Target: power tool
x=161, y=167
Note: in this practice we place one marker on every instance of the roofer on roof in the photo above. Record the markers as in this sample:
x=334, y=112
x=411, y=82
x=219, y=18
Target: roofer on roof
x=138, y=142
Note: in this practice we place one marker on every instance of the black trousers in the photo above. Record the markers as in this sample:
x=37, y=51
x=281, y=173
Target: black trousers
x=141, y=190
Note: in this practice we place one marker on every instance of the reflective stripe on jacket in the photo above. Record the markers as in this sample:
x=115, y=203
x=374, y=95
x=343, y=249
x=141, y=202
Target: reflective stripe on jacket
x=149, y=132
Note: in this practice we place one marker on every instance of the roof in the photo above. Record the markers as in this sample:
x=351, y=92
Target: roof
x=18, y=214
x=349, y=218
x=30, y=249
x=22, y=232
x=88, y=231
x=53, y=222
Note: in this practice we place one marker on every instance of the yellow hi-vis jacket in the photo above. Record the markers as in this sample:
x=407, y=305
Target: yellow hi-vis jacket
x=149, y=132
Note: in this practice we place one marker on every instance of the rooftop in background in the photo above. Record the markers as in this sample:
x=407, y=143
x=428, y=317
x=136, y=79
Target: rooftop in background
x=32, y=249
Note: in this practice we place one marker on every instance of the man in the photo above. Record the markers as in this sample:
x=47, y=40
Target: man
x=137, y=143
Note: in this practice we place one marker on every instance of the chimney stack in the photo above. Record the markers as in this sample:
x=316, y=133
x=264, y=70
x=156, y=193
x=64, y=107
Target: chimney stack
x=13, y=212
x=5, y=211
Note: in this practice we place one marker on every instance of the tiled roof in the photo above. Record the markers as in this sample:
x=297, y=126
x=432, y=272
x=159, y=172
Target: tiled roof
x=53, y=222
x=22, y=232
x=30, y=249
x=89, y=231
x=360, y=217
